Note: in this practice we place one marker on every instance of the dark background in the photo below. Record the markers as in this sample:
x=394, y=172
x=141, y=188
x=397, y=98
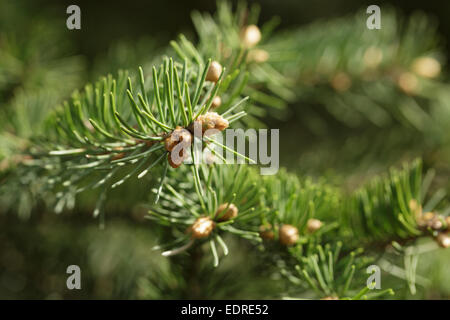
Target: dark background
x=104, y=21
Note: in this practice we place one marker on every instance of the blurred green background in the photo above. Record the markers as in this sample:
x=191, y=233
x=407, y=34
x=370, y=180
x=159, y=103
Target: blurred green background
x=46, y=59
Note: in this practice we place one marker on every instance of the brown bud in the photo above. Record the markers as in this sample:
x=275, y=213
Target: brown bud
x=408, y=82
x=426, y=67
x=341, y=82
x=231, y=212
x=212, y=120
x=258, y=56
x=413, y=205
x=313, y=225
x=373, y=57
x=443, y=240
x=429, y=215
x=202, y=227
x=436, y=224
x=425, y=220
x=217, y=101
x=172, y=163
x=175, y=163
x=251, y=36
x=179, y=135
x=214, y=72
x=447, y=221
x=266, y=232
x=288, y=234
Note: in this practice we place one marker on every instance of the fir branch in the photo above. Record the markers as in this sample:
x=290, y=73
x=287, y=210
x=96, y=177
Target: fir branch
x=94, y=132
x=220, y=204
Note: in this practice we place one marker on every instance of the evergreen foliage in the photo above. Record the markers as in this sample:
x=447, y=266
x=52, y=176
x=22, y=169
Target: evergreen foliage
x=314, y=236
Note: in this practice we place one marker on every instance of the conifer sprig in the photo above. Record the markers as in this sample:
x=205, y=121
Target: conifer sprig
x=125, y=128
x=121, y=128
x=222, y=199
x=332, y=275
x=233, y=38
x=397, y=207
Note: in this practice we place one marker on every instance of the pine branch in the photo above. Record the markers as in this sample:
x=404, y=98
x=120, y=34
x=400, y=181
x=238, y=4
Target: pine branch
x=121, y=129
x=362, y=93
x=331, y=275
x=394, y=208
x=362, y=77
x=220, y=200
x=124, y=123
x=234, y=39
